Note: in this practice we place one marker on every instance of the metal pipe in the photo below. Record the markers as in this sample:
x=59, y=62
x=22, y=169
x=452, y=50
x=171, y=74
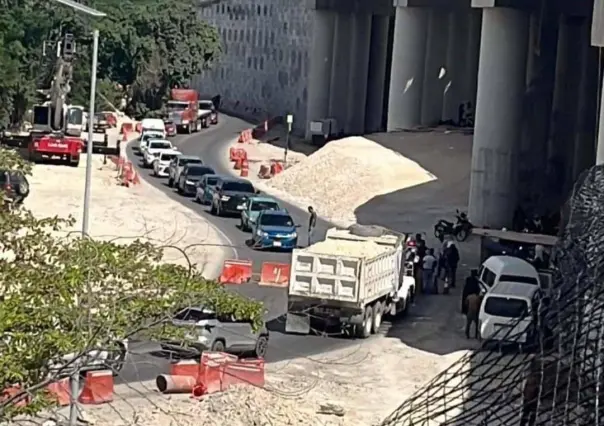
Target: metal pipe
x=90, y=135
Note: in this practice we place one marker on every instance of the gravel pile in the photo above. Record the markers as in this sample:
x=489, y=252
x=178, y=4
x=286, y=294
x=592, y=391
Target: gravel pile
x=366, y=249
x=347, y=173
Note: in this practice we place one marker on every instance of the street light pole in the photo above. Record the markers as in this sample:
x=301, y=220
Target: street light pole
x=85, y=214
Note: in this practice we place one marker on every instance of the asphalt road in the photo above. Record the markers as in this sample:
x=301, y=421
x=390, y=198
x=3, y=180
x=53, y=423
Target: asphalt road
x=211, y=145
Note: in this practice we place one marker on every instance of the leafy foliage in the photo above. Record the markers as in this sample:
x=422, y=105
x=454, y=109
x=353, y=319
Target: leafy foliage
x=69, y=295
x=145, y=47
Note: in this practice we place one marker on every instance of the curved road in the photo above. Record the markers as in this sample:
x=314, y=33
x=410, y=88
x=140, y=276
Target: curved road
x=211, y=145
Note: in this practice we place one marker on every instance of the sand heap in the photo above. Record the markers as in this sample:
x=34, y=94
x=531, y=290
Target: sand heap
x=347, y=173
x=366, y=249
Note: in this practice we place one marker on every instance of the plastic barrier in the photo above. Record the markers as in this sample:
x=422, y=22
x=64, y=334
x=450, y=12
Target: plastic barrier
x=274, y=274
x=126, y=128
x=245, y=136
x=125, y=138
x=238, y=164
x=211, y=373
x=244, y=372
x=129, y=175
x=276, y=168
x=60, y=391
x=236, y=272
x=10, y=392
x=245, y=168
x=167, y=383
x=98, y=387
x=264, y=172
x=232, y=154
x=237, y=153
x=185, y=368
x=138, y=127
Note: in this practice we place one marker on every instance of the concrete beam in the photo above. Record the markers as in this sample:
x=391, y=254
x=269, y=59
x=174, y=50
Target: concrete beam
x=442, y=4
x=374, y=7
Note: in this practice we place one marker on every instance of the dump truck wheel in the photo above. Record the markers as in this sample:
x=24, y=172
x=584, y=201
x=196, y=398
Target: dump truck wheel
x=364, y=329
x=376, y=317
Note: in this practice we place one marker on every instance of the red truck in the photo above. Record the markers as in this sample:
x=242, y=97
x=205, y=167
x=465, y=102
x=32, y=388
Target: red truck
x=68, y=148
x=182, y=110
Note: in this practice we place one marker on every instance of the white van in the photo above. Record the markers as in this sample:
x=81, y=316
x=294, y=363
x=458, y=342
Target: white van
x=154, y=124
x=506, y=268
x=507, y=312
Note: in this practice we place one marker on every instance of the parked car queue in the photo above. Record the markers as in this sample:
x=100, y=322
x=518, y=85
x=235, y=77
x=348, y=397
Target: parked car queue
x=270, y=225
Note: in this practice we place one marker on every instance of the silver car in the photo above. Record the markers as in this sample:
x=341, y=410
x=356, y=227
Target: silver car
x=177, y=165
x=209, y=332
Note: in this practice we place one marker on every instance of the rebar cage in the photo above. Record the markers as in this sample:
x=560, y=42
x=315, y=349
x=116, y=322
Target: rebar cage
x=555, y=381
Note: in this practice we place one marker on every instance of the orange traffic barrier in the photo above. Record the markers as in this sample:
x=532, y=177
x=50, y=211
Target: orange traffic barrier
x=20, y=401
x=245, y=136
x=60, y=391
x=138, y=127
x=236, y=272
x=274, y=274
x=241, y=153
x=211, y=372
x=126, y=128
x=125, y=138
x=232, y=153
x=167, y=383
x=185, y=368
x=276, y=168
x=264, y=172
x=245, y=168
x=238, y=164
x=127, y=173
x=244, y=372
x=98, y=387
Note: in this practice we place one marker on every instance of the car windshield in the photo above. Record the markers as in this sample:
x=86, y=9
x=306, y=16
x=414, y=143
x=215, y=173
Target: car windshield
x=199, y=171
x=160, y=145
x=212, y=181
x=505, y=307
x=206, y=105
x=185, y=161
x=168, y=157
x=148, y=136
x=238, y=187
x=194, y=314
x=263, y=205
x=177, y=106
x=276, y=220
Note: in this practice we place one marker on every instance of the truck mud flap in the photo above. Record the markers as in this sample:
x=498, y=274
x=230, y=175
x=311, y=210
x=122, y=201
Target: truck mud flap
x=297, y=323
x=16, y=142
x=106, y=150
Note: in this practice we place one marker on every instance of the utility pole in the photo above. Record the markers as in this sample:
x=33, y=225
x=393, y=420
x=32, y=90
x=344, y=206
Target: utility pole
x=290, y=121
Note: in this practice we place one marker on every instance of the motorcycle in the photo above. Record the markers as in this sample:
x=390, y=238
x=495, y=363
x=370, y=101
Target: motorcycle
x=460, y=230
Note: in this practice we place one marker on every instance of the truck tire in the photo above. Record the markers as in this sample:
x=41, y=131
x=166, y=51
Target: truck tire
x=190, y=129
x=363, y=330
x=74, y=160
x=365, y=230
x=376, y=317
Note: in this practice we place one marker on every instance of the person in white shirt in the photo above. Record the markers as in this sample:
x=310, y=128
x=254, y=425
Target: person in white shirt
x=428, y=271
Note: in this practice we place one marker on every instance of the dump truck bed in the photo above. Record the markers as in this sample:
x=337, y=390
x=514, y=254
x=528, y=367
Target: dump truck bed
x=346, y=269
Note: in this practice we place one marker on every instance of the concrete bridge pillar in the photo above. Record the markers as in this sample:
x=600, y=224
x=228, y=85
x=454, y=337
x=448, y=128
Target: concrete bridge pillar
x=470, y=80
x=408, y=65
x=338, y=94
x=457, y=33
x=501, y=80
x=377, y=73
x=435, y=68
x=357, y=77
x=320, y=66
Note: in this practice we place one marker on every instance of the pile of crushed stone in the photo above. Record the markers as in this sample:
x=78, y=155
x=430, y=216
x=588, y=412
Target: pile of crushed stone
x=366, y=249
x=347, y=173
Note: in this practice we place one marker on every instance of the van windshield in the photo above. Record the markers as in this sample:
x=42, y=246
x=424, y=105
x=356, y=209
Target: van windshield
x=505, y=307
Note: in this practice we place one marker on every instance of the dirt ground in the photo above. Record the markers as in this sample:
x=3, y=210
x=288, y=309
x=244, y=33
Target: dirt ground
x=125, y=214
x=366, y=382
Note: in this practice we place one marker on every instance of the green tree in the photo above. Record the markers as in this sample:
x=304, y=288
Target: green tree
x=145, y=47
x=69, y=295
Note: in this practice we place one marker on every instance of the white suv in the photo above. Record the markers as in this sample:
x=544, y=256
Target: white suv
x=162, y=163
x=154, y=149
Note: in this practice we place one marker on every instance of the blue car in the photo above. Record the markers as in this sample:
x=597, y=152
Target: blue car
x=206, y=188
x=274, y=229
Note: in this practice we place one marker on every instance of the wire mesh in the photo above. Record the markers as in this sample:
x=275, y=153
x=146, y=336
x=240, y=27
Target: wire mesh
x=551, y=374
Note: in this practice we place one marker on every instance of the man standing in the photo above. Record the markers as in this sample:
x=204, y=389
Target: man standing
x=473, y=302
x=312, y=223
x=428, y=271
x=451, y=262
x=471, y=287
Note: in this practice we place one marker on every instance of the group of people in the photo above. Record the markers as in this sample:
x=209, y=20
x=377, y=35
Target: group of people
x=434, y=267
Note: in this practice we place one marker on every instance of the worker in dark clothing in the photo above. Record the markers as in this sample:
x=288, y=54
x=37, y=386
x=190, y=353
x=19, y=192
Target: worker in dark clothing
x=312, y=223
x=451, y=261
x=473, y=302
x=471, y=287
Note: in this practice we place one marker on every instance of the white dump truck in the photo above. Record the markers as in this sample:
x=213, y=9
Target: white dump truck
x=352, y=278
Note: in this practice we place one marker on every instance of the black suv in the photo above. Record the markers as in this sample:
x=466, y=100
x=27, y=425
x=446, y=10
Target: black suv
x=14, y=186
x=230, y=196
